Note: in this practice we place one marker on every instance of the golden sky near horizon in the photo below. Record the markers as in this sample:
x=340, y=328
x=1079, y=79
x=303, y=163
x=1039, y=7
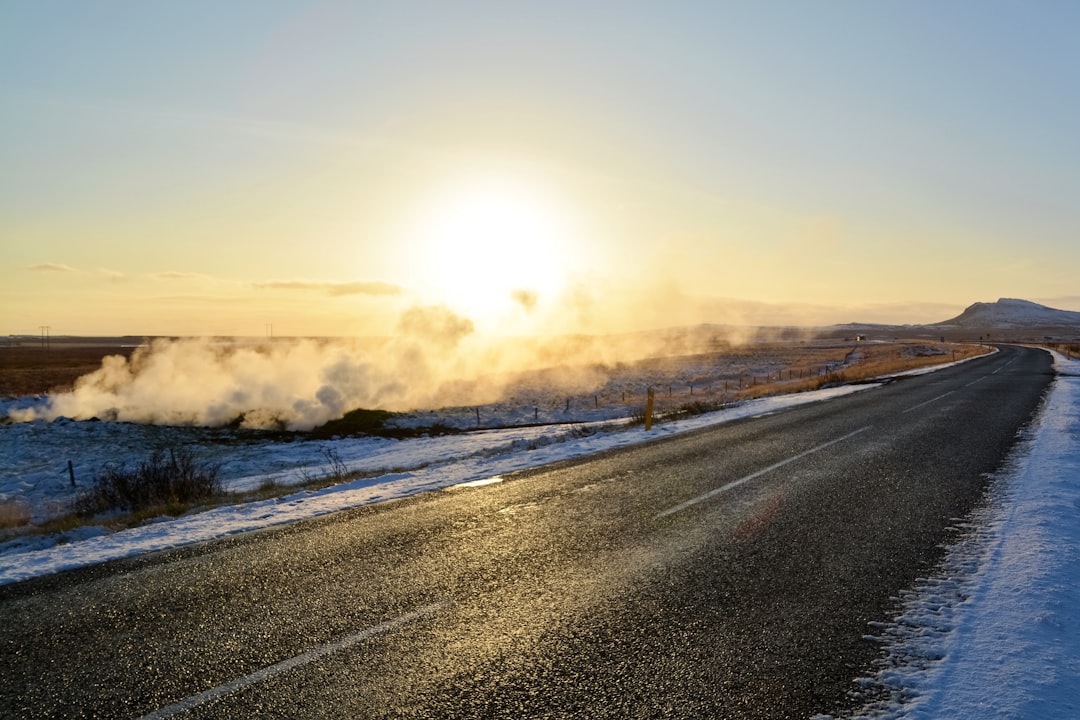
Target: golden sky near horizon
x=214, y=169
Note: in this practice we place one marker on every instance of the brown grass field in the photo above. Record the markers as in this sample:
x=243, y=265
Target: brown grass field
x=33, y=370
x=760, y=369
x=865, y=362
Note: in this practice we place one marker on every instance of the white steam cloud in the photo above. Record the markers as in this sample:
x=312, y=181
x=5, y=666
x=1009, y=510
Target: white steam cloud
x=298, y=384
x=436, y=360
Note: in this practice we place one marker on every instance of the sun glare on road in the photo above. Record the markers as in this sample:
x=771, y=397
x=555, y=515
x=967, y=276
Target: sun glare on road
x=494, y=249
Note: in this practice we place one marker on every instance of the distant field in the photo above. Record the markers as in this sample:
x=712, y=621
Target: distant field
x=700, y=381
x=33, y=370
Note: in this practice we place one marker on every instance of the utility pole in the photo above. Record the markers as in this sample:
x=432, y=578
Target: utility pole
x=44, y=337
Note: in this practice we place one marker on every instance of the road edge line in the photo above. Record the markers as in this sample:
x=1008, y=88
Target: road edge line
x=736, y=483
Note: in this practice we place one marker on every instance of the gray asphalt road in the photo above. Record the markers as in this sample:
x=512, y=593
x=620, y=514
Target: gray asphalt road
x=725, y=573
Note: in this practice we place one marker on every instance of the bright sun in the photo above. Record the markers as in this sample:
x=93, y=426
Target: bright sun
x=494, y=249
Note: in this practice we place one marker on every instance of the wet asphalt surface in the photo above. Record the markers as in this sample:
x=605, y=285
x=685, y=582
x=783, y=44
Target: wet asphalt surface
x=586, y=589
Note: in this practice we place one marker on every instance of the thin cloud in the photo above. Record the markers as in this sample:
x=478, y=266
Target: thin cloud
x=174, y=275
x=51, y=267
x=334, y=289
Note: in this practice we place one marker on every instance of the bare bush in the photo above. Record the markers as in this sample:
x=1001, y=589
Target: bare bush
x=165, y=478
x=336, y=467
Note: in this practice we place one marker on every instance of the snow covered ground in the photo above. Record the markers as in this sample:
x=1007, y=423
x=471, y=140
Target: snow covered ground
x=994, y=634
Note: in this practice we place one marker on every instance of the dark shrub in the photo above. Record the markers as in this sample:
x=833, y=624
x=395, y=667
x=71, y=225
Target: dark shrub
x=355, y=422
x=166, y=477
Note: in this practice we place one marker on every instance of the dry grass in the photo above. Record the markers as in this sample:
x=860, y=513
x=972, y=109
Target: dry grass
x=1069, y=350
x=56, y=525
x=13, y=513
x=61, y=524
x=866, y=362
x=771, y=369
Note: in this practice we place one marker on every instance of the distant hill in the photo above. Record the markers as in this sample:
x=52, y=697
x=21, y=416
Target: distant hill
x=1008, y=319
x=1011, y=313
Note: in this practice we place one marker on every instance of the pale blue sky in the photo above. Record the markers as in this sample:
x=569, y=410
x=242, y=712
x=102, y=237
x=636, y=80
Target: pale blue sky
x=895, y=161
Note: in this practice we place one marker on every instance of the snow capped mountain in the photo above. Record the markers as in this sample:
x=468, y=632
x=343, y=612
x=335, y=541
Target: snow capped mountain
x=1010, y=312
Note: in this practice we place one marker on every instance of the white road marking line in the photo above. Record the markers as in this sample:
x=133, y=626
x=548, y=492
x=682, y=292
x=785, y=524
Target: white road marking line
x=736, y=483
x=916, y=407
x=293, y=662
x=977, y=380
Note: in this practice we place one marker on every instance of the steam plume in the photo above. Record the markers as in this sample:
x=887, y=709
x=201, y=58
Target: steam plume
x=436, y=360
